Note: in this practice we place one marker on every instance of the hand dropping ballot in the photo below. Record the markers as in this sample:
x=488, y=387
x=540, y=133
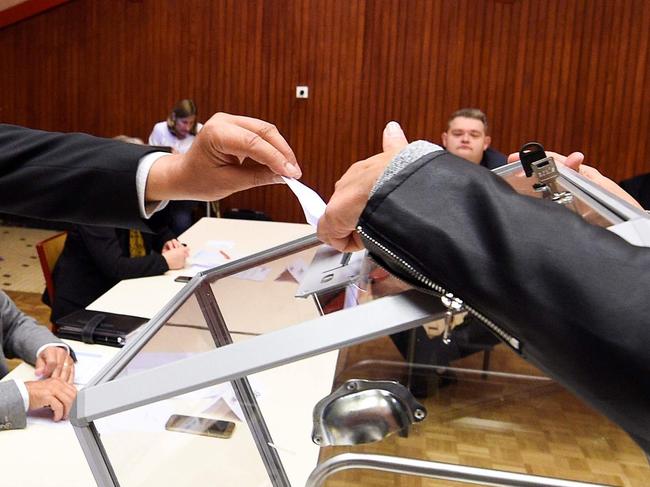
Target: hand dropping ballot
x=312, y=204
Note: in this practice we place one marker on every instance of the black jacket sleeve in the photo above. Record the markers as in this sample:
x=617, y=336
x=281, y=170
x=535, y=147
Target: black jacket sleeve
x=69, y=177
x=104, y=248
x=574, y=295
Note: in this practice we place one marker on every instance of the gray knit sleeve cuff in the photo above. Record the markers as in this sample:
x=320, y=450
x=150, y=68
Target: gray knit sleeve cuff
x=406, y=156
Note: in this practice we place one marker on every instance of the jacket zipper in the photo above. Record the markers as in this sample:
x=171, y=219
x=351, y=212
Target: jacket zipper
x=429, y=286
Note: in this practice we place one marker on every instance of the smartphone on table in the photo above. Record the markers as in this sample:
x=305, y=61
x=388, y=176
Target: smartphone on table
x=214, y=428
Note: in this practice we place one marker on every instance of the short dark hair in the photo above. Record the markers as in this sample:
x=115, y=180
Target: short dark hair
x=182, y=109
x=474, y=113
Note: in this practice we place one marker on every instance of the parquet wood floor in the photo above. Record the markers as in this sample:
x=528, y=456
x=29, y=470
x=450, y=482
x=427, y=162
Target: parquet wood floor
x=530, y=426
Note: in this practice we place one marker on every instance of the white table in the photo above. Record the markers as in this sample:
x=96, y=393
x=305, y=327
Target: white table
x=54, y=449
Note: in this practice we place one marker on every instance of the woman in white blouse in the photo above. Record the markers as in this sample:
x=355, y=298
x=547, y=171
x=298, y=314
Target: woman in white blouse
x=178, y=132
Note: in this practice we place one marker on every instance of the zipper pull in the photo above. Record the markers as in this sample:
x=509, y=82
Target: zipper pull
x=454, y=305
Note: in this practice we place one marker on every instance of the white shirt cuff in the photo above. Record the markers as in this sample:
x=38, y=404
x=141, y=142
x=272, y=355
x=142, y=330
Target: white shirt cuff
x=144, y=166
x=23, y=392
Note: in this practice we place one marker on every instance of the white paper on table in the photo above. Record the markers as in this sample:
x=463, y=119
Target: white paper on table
x=231, y=400
x=297, y=269
x=154, y=416
x=88, y=364
x=224, y=391
x=220, y=244
x=213, y=254
x=312, y=204
x=207, y=259
x=259, y=273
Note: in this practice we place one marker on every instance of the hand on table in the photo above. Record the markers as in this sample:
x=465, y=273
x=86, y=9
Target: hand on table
x=176, y=257
x=172, y=244
x=52, y=393
x=337, y=227
x=55, y=362
x=217, y=164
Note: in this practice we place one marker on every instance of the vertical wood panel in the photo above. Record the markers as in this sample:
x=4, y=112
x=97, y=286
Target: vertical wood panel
x=572, y=74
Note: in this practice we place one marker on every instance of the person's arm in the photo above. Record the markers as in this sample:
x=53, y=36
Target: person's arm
x=230, y=154
x=569, y=296
x=26, y=339
x=575, y=161
x=22, y=336
x=159, y=224
x=90, y=180
x=104, y=248
x=69, y=177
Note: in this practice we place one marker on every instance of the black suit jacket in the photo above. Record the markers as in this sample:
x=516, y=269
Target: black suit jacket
x=94, y=259
x=69, y=177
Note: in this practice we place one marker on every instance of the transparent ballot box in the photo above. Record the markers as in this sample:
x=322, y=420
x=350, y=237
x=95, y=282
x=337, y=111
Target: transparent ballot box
x=303, y=366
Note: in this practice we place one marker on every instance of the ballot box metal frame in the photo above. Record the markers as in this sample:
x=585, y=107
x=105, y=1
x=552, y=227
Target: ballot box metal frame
x=106, y=394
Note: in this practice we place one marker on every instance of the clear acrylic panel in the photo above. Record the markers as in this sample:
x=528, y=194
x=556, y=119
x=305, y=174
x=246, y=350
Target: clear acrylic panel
x=580, y=203
x=468, y=401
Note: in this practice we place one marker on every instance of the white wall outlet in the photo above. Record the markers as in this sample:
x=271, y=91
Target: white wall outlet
x=302, y=91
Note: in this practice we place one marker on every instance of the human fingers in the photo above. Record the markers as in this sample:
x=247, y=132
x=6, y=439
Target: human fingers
x=172, y=244
x=574, y=160
x=50, y=362
x=66, y=395
x=337, y=226
x=39, y=365
x=239, y=178
x=52, y=393
x=71, y=372
x=596, y=177
x=175, y=258
x=61, y=399
x=256, y=139
x=393, y=137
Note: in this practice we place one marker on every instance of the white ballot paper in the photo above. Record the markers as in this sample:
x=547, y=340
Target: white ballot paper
x=312, y=204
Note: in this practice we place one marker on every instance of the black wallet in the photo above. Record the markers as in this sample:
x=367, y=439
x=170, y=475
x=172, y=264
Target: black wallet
x=98, y=327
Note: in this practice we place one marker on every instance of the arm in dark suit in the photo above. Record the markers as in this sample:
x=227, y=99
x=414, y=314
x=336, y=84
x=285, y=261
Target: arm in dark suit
x=93, y=260
x=105, y=250
x=159, y=224
x=69, y=177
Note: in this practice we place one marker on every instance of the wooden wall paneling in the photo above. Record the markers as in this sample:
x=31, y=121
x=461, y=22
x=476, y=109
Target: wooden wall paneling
x=571, y=74
x=504, y=128
x=637, y=95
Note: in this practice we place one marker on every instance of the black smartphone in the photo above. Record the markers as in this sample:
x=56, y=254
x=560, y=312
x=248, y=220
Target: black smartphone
x=196, y=425
x=183, y=279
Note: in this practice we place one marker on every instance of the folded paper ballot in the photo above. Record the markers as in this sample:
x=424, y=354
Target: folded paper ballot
x=312, y=204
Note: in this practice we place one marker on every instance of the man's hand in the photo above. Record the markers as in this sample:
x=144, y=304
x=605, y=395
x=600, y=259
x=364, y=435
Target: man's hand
x=172, y=244
x=51, y=393
x=218, y=163
x=337, y=227
x=176, y=257
x=575, y=161
x=55, y=362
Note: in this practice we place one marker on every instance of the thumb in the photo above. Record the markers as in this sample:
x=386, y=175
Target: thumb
x=39, y=366
x=393, y=138
x=574, y=160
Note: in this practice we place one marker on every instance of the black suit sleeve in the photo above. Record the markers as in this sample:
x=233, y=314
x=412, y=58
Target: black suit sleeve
x=159, y=224
x=105, y=250
x=574, y=295
x=69, y=177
